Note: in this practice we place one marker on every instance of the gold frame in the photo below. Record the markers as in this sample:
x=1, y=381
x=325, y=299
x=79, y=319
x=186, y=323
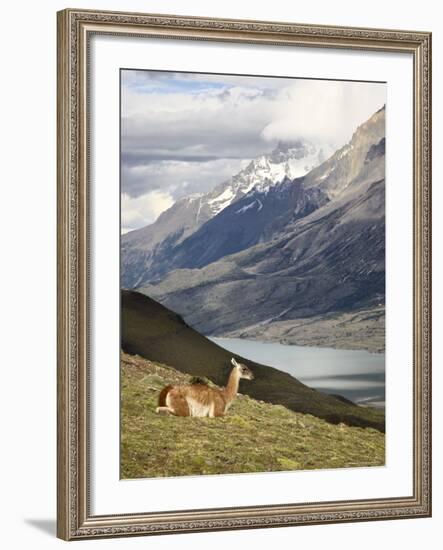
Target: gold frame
x=75, y=27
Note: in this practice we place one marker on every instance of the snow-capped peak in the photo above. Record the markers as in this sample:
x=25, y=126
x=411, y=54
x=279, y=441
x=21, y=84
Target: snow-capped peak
x=288, y=160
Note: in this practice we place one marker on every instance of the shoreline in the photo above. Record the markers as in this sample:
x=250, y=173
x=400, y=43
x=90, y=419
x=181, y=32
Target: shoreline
x=285, y=342
x=357, y=375
x=360, y=330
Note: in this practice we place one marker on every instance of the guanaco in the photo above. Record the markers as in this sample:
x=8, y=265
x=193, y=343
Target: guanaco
x=200, y=399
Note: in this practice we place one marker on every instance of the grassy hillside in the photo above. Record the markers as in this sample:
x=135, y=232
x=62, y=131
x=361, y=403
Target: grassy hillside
x=253, y=437
x=158, y=334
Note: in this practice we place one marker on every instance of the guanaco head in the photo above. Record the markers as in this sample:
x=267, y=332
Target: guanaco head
x=243, y=370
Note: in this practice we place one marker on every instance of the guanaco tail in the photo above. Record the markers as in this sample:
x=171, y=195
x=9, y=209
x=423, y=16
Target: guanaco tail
x=200, y=399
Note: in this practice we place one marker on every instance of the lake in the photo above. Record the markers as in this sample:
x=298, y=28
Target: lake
x=354, y=374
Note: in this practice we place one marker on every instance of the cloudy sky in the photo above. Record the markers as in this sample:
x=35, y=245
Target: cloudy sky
x=183, y=133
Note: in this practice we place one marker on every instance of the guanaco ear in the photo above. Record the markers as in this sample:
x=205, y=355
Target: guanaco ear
x=234, y=362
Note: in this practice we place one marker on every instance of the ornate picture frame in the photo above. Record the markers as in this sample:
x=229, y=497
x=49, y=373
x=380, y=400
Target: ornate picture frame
x=75, y=31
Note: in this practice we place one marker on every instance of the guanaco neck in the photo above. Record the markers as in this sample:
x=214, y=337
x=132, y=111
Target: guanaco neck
x=232, y=386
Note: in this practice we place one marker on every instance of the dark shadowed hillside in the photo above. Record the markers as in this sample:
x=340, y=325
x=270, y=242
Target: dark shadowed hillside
x=158, y=334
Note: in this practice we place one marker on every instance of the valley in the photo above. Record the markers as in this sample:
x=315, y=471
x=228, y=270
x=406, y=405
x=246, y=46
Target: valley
x=264, y=256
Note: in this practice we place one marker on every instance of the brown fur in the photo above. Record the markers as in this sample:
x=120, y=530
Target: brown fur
x=162, y=396
x=200, y=399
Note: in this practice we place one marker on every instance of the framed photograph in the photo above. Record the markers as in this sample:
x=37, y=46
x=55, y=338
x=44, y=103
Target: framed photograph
x=243, y=274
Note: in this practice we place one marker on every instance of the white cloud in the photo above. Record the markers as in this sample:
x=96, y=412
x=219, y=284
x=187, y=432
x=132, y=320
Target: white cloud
x=179, y=178
x=185, y=133
x=323, y=111
x=143, y=210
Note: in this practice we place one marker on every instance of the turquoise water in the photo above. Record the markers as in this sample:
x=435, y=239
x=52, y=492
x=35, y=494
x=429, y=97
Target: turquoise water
x=354, y=374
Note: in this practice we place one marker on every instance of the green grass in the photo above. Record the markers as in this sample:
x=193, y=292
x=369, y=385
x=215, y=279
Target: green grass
x=160, y=335
x=253, y=437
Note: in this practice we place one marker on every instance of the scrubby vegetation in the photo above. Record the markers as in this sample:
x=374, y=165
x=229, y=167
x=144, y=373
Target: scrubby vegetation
x=253, y=437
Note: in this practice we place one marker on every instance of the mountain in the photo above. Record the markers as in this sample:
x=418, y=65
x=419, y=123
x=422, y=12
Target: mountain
x=331, y=260
x=358, y=329
x=254, y=218
x=160, y=335
x=146, y=253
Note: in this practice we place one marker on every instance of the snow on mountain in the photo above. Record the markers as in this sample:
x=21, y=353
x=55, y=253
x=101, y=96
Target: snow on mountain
x=256, y=203
x=141, y=248
x=316, y=248
x=288, y=160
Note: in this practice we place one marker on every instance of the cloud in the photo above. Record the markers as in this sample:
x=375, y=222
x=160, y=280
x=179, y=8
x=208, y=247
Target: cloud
x=323, y=111
x=221, y=124
x=170, y=82
x=183, y=133
x=143, y=210
x=178, y=178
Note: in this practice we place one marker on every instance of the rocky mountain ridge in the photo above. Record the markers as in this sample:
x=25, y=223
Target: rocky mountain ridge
x=146, y=252
x=331, y=259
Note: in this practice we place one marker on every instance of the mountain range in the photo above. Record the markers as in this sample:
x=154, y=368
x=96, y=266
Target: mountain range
x=290, y=239
x=146, y=253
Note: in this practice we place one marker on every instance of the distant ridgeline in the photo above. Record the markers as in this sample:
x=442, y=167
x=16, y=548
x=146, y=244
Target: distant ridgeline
x=274, y=244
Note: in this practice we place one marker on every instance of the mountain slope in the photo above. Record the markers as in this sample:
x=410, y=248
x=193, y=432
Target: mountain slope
x=359, y=329
x=146, y=252
x=253, y=437
x=348, y=164
x=334, y=263
x=254, y=218
x=158, y=334
x=331, y=260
